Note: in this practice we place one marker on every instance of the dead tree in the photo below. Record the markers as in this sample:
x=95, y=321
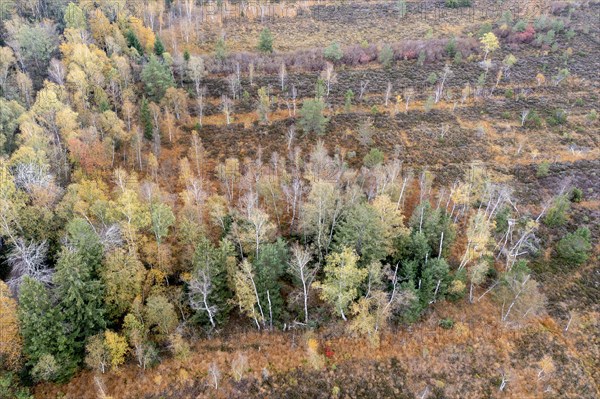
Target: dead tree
x=388, y=92
x=282, y=74
x=363, y=88
x=227, y=107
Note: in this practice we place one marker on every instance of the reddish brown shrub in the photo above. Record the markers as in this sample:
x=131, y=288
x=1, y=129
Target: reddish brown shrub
x=526, y=36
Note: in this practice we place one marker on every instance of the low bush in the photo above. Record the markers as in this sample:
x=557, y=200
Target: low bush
x=575, y=247
x=333, y=52
x=446, y=324
x=543, y=169
x=373, y=158
x=458, y=3
x=557, y=214
x=559, y=117
x=576, y=195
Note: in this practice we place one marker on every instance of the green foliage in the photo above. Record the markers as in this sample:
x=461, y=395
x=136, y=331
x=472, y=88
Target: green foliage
x=576, y=195
x=84, y=239
x=160, y=315
x=446, y=324
x=210, y=265
x=401, y=4
x=373, y=158
x=422, y=58
x=342, y=280
x=159, y=47
x=507, y=18
x=221, y=50
x=559, y=117
x=46, y=369
x=43, y=329
x=557, y=213
x=361, y=230
x=312, y=119
x=269, y=267
x=333, y=52
x=520, y=26
x=412, y=308
x=80, y=297
x=432, y=78
x=502, y=217
x=33, y=43
x=122, y=278
x=186, y=55
x=429, y=103
x=146, y=119
x=74, y=17
x=533, y=120
x=386, y=56
x=484, y=29
x=134, y=42
x=157, y=78
x=10, y=111
x=162, y=218
x=320, y=89
x=458, y=3
x=451, y=47
x=543, y=169
x=575, y=247
x=435, y=275
x=432, y=223
x=561, y=75
x=265, y=41
x=10, y=387
x=458, y=57
x=348, y=97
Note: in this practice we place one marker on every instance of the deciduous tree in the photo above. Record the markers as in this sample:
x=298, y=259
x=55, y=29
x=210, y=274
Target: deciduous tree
x=342, y=280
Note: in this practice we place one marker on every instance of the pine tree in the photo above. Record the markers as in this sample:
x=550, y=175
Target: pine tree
x=312, y=118
x=362, y=231
x=269, y=267
x=265, y=41
x=208, y=292
x=42, y=328
x=433, y=223
x=435, y=275
x=80, y=297
x=146, y=119
x=85, y=240
x=133, y=41
x=157, y=78
x=159, y=47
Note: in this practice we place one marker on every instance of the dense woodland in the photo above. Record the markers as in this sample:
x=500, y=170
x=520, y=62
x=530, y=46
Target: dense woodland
x=171, y=180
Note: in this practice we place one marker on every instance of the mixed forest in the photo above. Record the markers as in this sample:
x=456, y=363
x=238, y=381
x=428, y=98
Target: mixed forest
x=320, y=199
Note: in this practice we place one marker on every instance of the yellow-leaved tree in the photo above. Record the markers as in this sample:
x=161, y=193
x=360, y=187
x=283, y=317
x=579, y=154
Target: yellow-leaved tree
x=490, y=43
x=10, y=338
x=342, y=279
